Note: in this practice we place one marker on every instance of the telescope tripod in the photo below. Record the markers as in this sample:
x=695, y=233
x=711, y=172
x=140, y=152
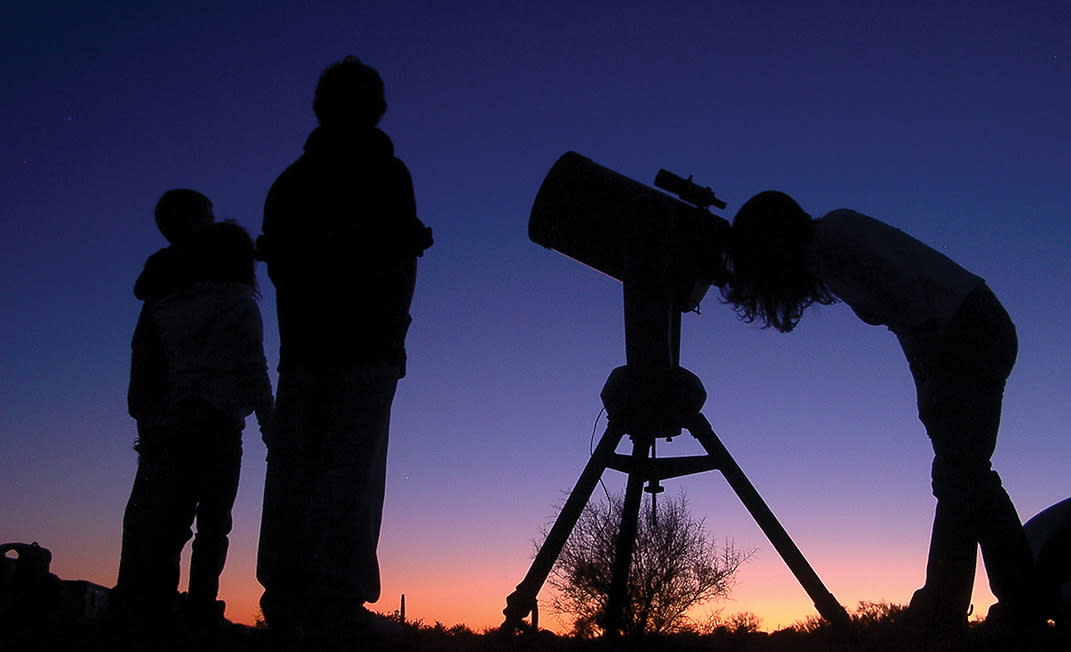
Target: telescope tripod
x=646, y=405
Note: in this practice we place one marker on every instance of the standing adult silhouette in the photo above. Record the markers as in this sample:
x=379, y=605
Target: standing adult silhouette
x=341, y=239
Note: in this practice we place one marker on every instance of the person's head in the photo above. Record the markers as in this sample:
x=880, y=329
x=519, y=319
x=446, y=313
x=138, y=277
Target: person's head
x=770, y=281
x=226, y=251
x=180, y=213
x=349, y=93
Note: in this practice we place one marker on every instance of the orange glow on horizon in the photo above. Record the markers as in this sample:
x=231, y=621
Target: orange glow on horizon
x=773, y=595
x=471, y=590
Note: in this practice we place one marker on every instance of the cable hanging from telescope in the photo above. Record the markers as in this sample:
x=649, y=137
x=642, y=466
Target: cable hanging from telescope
x=591, y=450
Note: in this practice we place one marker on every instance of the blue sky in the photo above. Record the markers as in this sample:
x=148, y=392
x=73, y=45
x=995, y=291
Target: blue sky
x=947, y=120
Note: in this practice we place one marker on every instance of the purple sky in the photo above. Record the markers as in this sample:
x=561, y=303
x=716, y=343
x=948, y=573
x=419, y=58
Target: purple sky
x=947, y=120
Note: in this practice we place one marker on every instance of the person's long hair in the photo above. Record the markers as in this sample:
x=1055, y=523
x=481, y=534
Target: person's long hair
x=227, y=255
x=769, y=280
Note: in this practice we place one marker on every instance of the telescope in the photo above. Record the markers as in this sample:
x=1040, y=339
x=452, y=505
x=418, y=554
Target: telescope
x=617, y=226
x=667, y=251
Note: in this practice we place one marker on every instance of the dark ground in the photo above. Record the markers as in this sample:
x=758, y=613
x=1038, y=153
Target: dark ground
x=868, y=637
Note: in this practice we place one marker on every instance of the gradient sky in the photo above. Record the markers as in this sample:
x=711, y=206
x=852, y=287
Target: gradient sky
x=946, y=119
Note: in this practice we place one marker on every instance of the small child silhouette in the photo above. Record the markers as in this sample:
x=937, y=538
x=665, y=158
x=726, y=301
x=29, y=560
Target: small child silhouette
x=198, y=369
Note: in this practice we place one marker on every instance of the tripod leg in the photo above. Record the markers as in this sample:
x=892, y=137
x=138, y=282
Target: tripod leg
x=522, y=602
x=617, y=601
x=824, y=601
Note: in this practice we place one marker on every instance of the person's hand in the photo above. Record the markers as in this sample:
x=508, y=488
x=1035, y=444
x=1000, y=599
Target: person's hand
x=264, y=422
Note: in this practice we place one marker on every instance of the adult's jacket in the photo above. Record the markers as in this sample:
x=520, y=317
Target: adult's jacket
x=341, y=238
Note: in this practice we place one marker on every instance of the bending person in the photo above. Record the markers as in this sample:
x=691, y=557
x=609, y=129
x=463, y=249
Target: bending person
x=961, y=346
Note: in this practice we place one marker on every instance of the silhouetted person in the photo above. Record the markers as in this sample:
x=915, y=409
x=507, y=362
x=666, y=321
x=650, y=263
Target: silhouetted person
x=341, y=238
x=180, y=214
x=1049, y=534
x=29, y=593
x=961, y=346
x=198, y=369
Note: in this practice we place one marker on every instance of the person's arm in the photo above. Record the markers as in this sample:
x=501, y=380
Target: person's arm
x=263, y=400
x=147, y=391
x=157, y=277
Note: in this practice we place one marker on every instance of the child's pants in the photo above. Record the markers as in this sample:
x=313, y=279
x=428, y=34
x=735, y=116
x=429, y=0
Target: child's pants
x=185, y=472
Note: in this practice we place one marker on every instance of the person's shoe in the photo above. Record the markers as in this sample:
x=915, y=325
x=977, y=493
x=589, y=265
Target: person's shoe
x=284, y=620
x=1004, y=623
x=205, y=615
x=325, y=633
x=927, y=618
x=372, y=624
